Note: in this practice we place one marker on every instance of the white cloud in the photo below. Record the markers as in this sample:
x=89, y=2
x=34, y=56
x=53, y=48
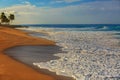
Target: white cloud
x=70, y=1
x=67, y=1
x=26, y=2
x=93, y=12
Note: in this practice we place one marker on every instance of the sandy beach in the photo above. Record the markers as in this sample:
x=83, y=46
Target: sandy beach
x=11, y=69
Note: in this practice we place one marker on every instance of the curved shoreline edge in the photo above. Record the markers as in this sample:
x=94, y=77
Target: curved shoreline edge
x=11, y=69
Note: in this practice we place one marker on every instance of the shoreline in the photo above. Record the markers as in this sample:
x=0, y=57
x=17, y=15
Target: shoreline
x=11, y=69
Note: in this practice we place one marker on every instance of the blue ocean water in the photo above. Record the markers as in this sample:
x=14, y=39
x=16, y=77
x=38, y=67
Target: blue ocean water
x=80, y=27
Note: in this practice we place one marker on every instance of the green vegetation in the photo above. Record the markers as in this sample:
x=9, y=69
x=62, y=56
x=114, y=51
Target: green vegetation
x=6, y=20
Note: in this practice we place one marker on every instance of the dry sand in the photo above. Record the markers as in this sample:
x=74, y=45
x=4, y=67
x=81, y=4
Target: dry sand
x=11, y=69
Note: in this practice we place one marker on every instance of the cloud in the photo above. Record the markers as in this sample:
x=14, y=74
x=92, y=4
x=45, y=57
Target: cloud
x=26, y=2
x=66, y=1
x=70, y=1
x=93, y=12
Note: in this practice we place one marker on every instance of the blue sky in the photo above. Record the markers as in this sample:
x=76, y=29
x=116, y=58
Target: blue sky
x=63, y=11
x=41, y=3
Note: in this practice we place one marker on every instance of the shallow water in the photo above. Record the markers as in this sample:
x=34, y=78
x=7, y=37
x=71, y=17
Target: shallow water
x=31, y=54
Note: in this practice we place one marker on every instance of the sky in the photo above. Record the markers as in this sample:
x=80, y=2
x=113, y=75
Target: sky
x=63, y=11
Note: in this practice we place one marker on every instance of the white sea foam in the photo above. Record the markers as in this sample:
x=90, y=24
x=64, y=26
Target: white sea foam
x=104, y=27
x=87, y=55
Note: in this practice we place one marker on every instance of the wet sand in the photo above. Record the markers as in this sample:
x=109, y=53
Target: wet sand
x=11, y=69
x=33, y=54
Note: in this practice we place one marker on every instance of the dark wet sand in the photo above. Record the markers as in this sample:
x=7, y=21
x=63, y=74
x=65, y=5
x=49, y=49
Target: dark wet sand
x=31, y=54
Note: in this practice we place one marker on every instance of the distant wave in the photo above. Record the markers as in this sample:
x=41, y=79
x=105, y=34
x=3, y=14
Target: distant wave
x=102, y=28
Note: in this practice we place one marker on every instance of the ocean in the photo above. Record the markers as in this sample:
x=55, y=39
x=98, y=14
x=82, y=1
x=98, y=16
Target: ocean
x=79, y=27
x=76, y=28
x=90, y=51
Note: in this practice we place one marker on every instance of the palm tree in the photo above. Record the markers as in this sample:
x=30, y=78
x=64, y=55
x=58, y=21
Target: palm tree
x=3, y=18
x=11, y=17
